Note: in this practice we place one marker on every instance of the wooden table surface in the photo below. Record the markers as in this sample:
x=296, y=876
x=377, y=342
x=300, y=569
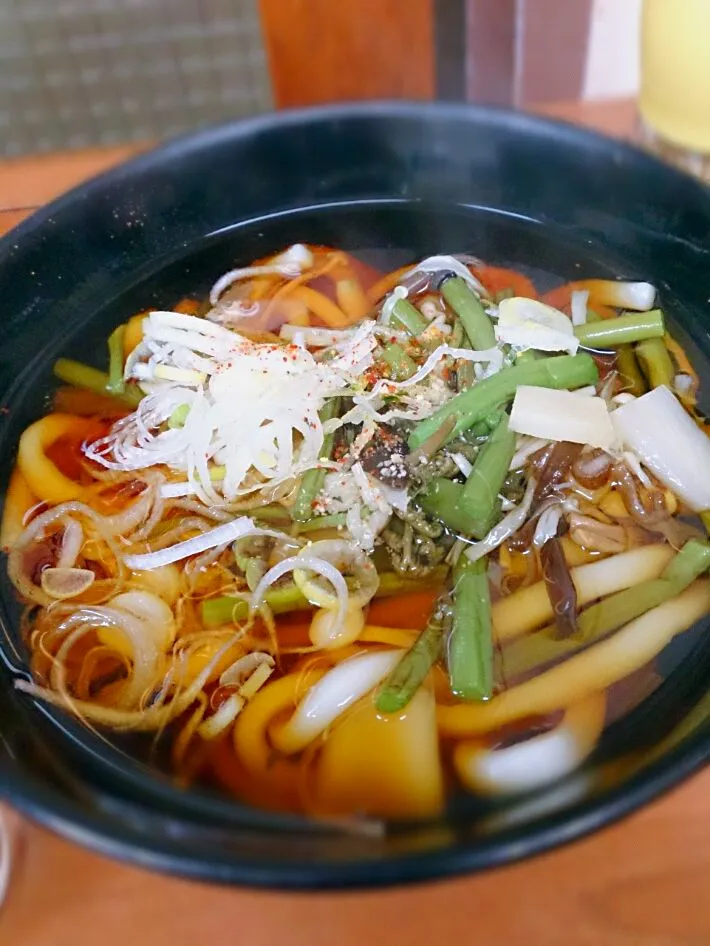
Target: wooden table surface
x=640, y=883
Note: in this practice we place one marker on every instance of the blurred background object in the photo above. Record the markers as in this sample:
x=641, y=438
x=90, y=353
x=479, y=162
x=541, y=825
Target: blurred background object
x=675, y=83
x=75, y=73
x=82, y=73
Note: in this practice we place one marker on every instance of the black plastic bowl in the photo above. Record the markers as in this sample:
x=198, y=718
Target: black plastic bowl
x=409, y=179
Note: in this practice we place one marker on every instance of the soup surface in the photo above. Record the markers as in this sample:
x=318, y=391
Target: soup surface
x=350, y=540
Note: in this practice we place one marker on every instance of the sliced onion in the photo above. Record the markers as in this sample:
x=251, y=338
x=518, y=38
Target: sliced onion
x=592, y=469
x=547, y=525
x=578, y=306
x=243, y=667
x=505, y=528
x=218, y=722
x=163, y=582
x=72, y=540
x=61, y=583
x=309, y=562
x=342, y=686
x=227, y=532
x=34, y=531
x=154, y=717
x=346, y=557
x=538, y=760
x=152, y=611
x=325, y=634
x=639, y=296
x=525, y=448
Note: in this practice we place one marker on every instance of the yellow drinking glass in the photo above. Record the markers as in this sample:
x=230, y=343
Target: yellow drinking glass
x=675, y=81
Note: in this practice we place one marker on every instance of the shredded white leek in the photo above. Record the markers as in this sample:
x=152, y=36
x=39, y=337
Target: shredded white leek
x=220, y=535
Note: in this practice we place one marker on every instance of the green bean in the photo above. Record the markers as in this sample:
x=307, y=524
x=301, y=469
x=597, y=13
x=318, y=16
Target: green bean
x=596, y=622
x=465, y=375
x=471, y=406
x=629, y=371
x=222, y=610
x=398, y=361
x=408, y=317
x=91, y=379
x=335, y=520
x=655, y=362
x=469, y=309
x=705, y=519
x=470, y=646
x=479, y=498
x=116, y=384
x=411, y=671
x=457, y=334
x=631, y=327
x=526, y=356
x=443, y=500
x=312, y=480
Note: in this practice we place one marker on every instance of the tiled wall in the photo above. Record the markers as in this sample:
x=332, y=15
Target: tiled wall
x=75, y=73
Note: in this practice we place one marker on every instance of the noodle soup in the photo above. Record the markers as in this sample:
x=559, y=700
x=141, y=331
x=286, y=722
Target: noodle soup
x=350, y=540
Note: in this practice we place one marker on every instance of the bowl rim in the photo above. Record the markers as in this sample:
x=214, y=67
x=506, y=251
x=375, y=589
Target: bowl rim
x=105, y=836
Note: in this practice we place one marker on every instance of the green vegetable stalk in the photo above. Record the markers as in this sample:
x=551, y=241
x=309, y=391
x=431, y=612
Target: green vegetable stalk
x=479, y=499
x=443, y=500
x=528, y=653
x=312, y=480
x=468, y=307
x=470, y=646
x=631, y=327
x=408, y=317
x=401, y=366
x=471, y=406
x=91, y=379
x=226, y=608
x=655, y=362
x=629, y=371
x=411, y=671
x=116, y=385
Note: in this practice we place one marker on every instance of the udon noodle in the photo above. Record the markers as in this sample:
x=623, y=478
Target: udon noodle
x=351, y=542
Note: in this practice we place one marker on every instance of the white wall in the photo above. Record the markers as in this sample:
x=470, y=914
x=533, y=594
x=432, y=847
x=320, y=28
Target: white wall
x=612, y=67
